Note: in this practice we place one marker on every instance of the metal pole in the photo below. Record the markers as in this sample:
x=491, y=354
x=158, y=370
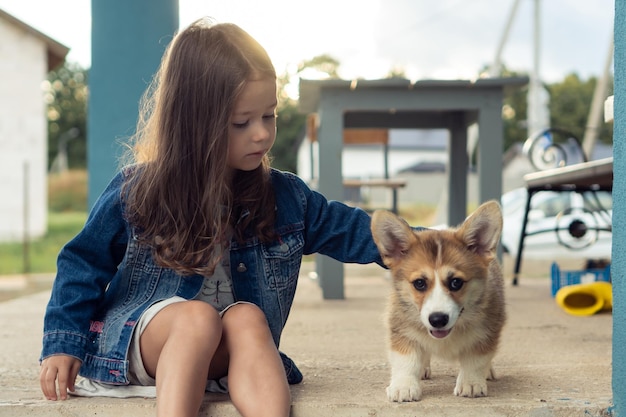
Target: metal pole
x=594, y=120
x=496, y=67
x=538, y=97
x=26, y=237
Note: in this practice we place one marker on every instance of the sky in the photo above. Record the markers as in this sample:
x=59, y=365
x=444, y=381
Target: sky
x=426, y=39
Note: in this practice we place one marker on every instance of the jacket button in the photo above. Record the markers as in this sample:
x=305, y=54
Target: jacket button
x=241, y=267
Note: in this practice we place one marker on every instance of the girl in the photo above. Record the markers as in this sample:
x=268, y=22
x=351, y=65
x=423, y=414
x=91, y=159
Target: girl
x=186, y=268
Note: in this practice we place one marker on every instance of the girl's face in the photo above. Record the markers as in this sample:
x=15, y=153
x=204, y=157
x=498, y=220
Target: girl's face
x=252, y=128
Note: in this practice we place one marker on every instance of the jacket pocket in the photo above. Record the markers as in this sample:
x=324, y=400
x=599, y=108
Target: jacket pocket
x=282, y=259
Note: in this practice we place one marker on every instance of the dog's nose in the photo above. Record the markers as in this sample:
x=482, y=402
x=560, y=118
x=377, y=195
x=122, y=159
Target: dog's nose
x=438, y=320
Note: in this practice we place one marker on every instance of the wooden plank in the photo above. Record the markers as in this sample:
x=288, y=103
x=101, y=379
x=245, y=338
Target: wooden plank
x=386, y=183
x=598, y=172
x=365, y=136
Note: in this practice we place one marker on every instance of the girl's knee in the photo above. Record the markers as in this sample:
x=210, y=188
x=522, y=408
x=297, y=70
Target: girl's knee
x=245, y=315
x=197, y=315
x=193, y=326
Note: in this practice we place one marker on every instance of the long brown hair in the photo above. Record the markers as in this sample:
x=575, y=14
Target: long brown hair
x=180, y=198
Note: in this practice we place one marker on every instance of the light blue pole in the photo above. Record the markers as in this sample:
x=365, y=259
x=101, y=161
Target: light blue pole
x=128, y=39
x=618, y=267
x=330, y=271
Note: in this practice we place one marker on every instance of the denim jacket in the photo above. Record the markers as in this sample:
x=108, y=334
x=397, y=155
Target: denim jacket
x=106, y=279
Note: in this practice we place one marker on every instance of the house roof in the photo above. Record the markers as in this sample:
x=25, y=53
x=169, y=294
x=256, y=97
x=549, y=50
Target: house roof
x=56, y=51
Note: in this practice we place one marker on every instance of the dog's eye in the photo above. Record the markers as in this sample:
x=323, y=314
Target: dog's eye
x=455, y=284
x=420, y=284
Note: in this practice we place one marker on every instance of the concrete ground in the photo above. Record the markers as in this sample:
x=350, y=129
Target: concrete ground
x=549, y=363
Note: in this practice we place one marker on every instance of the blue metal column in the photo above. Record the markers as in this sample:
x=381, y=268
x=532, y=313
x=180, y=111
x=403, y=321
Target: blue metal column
x=458, y=163
x=618, y=267
x=490, y=147
x=128, y=39
x=330, y=139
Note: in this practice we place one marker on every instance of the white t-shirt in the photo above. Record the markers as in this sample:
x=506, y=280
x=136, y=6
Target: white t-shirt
x=217, y=289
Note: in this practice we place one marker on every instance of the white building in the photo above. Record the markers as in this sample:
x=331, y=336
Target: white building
x=417, y=156
x=407, y=148
x=26, y=57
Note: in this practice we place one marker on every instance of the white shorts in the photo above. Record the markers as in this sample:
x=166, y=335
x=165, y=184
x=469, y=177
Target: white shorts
x=142, y=384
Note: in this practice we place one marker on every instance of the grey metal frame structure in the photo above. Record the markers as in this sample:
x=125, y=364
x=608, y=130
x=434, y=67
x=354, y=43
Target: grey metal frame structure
x=399, y=103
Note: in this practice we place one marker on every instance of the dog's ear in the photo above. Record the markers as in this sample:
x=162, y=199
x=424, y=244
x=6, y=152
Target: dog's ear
x=481, y=230
x=392, y=235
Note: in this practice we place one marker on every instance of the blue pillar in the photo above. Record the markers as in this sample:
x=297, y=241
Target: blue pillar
x=618, y=268
x=128, y=39
x=330, y=271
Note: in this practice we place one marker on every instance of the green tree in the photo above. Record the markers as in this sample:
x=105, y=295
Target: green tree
x=570, y=103
x=289, y=133
x=397, y=72
x=66, y=97
x=324, y=64
x=290, y=123
x=514, y=113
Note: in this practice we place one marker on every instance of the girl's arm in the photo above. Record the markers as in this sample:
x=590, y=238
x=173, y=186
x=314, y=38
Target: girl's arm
x=335, y=229
x=85, y=267
x=339, y=231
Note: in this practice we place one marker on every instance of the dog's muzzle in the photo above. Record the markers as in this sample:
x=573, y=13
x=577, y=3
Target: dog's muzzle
x=439, y=321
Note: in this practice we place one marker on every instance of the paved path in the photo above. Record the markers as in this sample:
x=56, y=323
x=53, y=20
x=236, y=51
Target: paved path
x=550, y=364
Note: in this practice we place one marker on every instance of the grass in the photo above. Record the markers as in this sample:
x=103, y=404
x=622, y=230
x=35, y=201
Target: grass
x=42, y=253
x=67, y=204
x=418, y=214
x=67, y=191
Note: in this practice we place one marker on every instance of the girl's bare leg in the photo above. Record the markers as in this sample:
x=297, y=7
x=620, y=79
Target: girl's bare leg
x=177, y=347
x=256, y=376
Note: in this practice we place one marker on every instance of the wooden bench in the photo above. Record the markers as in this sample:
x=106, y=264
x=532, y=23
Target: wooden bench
x=392, y=184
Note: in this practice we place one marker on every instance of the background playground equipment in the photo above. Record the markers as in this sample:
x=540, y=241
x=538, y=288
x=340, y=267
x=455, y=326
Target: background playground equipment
x=584, y=292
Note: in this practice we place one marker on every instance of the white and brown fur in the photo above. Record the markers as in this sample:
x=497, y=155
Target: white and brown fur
x=447, y=300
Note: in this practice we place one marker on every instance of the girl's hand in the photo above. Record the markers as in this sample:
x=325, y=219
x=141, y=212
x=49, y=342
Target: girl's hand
x=63, y=368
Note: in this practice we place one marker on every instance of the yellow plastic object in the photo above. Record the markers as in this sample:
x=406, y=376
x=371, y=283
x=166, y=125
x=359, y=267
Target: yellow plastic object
x=585, y=299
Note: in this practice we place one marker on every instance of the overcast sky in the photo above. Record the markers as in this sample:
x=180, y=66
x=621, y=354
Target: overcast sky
x=446, y=39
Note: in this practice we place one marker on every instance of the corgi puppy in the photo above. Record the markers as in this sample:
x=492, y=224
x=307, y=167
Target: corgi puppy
x=447, y=299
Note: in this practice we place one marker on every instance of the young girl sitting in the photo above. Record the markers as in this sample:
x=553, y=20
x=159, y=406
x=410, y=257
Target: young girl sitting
x=187, y=266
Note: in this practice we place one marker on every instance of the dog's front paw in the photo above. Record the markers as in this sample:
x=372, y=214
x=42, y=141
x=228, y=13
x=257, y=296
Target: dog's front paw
x=470, y=388
x=407, y=389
